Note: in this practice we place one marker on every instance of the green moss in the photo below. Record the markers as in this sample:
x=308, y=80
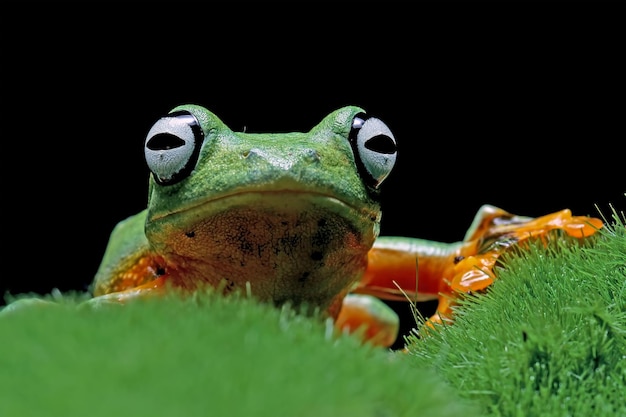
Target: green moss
x=549, y=336
x=206, y=355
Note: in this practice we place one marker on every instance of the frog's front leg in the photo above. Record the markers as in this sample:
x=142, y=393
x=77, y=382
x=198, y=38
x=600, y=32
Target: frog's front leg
x=154, y=287
x=129, y=268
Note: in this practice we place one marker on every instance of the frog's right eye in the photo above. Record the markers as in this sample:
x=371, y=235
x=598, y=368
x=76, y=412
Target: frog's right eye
x=172, y=147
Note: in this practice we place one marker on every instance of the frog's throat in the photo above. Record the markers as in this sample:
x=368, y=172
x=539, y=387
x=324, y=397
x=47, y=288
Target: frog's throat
x=304, y=247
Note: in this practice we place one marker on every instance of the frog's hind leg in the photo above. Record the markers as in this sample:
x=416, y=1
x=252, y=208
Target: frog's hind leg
x=498, y=231
x=376, y=321
x=487, y=217
x=493, y=223
x=493, y=232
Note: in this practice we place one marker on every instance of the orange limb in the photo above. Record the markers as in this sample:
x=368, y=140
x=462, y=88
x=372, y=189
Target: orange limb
x=378, y=324
x=155, y=287
x=420, y=270
x=136, y=271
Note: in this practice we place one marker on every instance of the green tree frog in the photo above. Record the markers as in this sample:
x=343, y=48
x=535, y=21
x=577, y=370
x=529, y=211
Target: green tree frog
x=294, y=218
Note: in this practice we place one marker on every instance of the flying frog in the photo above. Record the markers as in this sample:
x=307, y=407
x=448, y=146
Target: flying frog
x=294, y=218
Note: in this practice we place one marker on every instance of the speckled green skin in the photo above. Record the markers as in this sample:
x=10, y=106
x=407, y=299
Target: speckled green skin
x=232, y=162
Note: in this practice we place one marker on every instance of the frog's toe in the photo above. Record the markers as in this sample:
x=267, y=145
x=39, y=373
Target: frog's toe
x=370, y=315
x=102, y=301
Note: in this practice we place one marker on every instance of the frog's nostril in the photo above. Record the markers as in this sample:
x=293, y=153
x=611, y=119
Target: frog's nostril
x=252, y=154
x=311, y=155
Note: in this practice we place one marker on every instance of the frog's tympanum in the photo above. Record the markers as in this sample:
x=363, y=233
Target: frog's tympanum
x=294, y=218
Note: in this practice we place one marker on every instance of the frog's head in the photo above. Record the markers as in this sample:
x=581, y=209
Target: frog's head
x=293, y=214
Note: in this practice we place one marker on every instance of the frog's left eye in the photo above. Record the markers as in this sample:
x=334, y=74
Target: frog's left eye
x=172, y=147
x=374, y=147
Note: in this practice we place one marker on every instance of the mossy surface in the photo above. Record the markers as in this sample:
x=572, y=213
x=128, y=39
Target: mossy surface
x=201, y=356
x=548, y=338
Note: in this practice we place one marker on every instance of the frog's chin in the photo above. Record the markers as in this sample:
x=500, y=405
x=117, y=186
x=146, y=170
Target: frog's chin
x=303, y=247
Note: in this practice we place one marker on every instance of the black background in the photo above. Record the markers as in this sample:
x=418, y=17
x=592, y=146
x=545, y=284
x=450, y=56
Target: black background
x=495, y=106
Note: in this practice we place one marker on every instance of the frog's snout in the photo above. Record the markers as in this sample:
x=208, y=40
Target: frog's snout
x=287, y=161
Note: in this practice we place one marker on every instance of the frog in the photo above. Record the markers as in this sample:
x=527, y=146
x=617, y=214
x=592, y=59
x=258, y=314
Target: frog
x=289, y=218
x=294, y=218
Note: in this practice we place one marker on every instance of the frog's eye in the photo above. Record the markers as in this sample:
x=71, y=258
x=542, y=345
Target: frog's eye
x=172, y=147
x=374, y=148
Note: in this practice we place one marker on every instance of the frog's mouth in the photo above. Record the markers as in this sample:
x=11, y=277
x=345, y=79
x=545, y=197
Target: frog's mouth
x=303, y=247
x=280, y=198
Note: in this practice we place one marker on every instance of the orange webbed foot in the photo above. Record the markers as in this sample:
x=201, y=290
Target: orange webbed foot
x=495, y=231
